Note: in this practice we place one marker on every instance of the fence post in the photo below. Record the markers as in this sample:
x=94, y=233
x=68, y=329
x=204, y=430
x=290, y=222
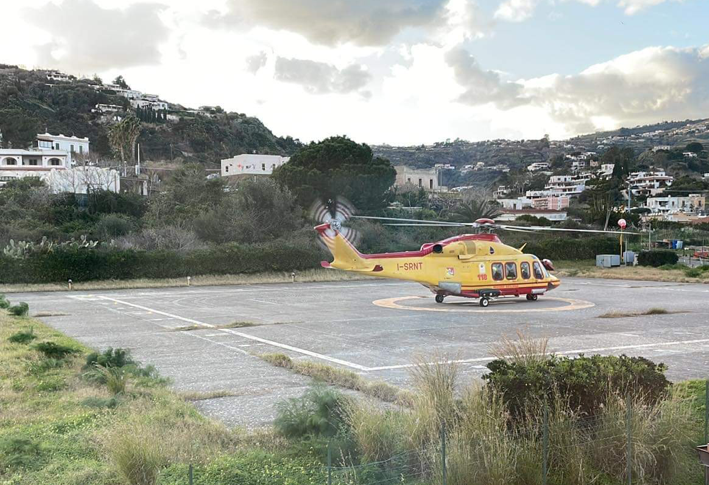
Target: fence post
x=706, y=414
x=706, y=427
x=190, y=474
x=629, y=426
x=329, y=462
x=443, y=452
x=545, y=445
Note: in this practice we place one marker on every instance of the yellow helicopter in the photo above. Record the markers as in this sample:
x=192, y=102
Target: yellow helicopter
x=476, y=266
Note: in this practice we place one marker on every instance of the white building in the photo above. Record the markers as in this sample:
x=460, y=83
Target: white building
x=649, y=183
x=663, y=148
x=515, y=204
x=563, y=185
x=689, y=155
x=147, y=103
x=664, y=205
x=16, y=163
x=606, y=170
x=82, y=180
x=58, y=76
x=72, y=145
x=107, y=108
x=552, y=215
x=249, y=164
x=536, y=166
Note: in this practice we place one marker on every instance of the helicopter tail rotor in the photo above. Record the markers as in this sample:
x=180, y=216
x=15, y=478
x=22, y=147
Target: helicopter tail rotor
x=331, y=216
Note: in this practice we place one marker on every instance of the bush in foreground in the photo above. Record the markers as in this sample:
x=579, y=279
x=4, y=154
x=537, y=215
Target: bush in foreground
x=19, y=310
x=22, y=337
x=585, y=383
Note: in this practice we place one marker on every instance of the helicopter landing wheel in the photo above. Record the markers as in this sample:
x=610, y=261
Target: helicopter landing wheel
x=440, y=298
x=484, y=302
x=531, y=297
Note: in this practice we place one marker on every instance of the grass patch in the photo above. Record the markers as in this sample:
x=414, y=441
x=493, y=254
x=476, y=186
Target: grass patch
x=651, y=311
x=49, y=314
x=22, y=337
x=674, y=273
x=194, y=396
x=190, y=328
x=341, y=378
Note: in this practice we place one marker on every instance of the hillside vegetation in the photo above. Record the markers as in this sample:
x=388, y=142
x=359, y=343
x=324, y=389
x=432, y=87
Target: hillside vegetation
x=31, y=104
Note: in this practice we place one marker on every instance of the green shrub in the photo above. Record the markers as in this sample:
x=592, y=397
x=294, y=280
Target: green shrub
x=106, y=263
x=108, y=358
x=318, y=413
x=18, y=453
x=585, y=382
x=22, y=337
x=657, y=258
x=55, y=351
x=115, y=378
x=137, y=457
x=697, y=272
x=20, y=310
x=4, y=304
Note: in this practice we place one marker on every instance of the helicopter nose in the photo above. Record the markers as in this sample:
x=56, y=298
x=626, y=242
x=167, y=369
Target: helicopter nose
x=553, y=283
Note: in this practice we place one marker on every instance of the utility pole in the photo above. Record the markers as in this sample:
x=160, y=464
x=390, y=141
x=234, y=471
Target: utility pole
x=137, y=168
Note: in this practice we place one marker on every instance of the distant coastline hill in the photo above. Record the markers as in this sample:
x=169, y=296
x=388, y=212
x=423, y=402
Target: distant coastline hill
x=35, y=101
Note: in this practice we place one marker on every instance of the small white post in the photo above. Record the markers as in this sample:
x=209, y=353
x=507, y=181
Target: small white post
x=292, y=276
x=189, y=280
x=71, y=284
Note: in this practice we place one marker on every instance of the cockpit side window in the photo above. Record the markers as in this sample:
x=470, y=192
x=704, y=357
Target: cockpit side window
x=538, y=274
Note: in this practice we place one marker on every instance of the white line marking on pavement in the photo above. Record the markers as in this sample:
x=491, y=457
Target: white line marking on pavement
x=563, y=352
x=244, y=335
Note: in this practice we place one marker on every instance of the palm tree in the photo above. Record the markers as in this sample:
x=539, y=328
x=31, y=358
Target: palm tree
x=473, y=208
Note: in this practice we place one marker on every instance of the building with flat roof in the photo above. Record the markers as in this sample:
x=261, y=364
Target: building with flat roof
x=428, y=179
x=251, y=164
x=512, y=214
x=72, y=145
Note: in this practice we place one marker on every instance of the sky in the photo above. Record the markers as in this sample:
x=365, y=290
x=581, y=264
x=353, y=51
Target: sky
x=399, y=72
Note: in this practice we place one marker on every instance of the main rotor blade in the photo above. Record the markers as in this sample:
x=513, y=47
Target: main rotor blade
x=560, y=229
x=399, y=219
x=406, y=224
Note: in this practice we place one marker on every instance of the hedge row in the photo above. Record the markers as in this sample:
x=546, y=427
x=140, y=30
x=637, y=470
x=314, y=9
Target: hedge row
x=572, y=249
x=657, y=258
x=103, y=264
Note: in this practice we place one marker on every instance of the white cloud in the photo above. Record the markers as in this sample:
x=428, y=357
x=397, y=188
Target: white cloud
x=333, y=22
x=322, y=78
x=516, y=10
x=88, y=38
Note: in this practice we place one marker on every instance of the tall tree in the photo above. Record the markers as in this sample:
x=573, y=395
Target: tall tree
x=338, y=166
x=119, y=81
x=123, y=136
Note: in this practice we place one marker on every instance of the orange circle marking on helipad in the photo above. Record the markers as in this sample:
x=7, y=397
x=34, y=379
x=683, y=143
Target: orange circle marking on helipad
x=572, y=304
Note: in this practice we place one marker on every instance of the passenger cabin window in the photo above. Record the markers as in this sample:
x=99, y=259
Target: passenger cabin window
x=511, y=271
x=525, y=270
x=497, y=273
x=538, y=274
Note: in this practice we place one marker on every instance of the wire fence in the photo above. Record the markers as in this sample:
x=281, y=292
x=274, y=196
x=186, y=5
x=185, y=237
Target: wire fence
x=617, y=441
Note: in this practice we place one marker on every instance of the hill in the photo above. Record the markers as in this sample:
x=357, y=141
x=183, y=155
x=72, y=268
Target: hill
x=36, y=101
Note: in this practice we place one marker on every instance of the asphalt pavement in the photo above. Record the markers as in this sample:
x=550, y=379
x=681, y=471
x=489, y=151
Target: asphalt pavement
x=375, y=328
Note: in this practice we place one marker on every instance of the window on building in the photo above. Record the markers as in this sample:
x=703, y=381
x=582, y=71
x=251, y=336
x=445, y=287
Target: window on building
x=497, y=273
x=10, y=161
x=420, y=183
x=525, y=270
x=430, y=184
x=226, y=169
x=33, y=162
x=263, y=167
x=81, y=149
x=56, y=146
x=511, y=271
x=55, y=162
x=72, y=148
x=538, y=274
